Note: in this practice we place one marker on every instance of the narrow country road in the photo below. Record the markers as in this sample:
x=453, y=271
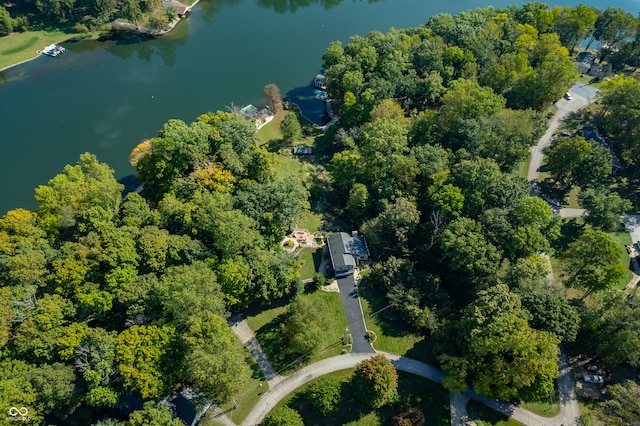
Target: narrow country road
x=241, y=329
x=299, y=378
x=583, y=95
x=569, y=412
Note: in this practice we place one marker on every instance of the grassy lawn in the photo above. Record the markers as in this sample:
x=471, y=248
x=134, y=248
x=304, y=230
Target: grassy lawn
x=392, y=336
x=287, y=166
x=310, y=260
x=523, y=168
x=271, y=131
x=309, y=221
x=623, y=238
x=585, y=79
x=415, y=393
x=266, y=326
x=271, y=135
x=19, y=47
x=572, y=199
x=485, y=416
x=246, y=398
x=570, y=232
x=543, y=408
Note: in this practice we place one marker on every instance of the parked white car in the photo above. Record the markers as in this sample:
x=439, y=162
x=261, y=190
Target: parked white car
x=568, y=96
x=593, y=378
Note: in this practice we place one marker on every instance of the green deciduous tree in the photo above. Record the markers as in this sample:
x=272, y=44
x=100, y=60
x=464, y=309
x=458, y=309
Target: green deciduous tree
x=72, y=195
x=620, y=116
x=6, y=22
x=290, y=128
x=468, y=251
x=576, y=161
x=625, y=401
x=324, y=393
x=391, y=231
x=574, y=24
x=376, y=381
x=612, y=326
x=604, y=209
x=506, y=358
x=215, y=359
x=303, y=327
x=35, y=338
x=553, y=314
x=141, y=359
x=613, y=26
x=153, y=414
x=189, y=290
x=283, y=416
x=593, y=262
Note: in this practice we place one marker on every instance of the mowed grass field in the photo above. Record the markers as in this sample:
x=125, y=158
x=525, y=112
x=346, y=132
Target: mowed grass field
x=19, y=47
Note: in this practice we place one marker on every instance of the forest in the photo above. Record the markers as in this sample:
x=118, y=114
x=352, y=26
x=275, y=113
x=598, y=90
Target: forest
x=105, y=294
x=83, y=15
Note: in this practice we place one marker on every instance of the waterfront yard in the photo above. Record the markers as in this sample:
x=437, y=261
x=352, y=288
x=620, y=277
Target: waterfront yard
x=20, y=47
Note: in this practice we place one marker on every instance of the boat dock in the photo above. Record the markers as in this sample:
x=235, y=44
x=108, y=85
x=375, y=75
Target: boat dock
x=52, y=50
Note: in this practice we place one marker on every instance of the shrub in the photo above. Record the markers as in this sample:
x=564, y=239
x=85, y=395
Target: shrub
x=319, y=280
x=21, y=24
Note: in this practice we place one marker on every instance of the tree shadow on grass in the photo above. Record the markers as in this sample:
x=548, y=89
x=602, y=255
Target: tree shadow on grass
x=550, y=188
x=421, y=351
x=349, y=409
x=571, y=231
x=256, y=373
x=384, y=316
x=270, y=338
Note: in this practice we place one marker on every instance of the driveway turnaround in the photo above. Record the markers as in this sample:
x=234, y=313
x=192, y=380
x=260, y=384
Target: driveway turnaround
x=351, y=303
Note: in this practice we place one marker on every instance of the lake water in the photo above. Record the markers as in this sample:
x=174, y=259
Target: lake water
x=105, y=97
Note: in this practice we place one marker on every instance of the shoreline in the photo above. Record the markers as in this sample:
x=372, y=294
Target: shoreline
x=116, y=23
x=20, y=63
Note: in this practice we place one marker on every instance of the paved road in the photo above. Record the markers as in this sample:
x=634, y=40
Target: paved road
x=351, y=303
x=240, y=327
x=299, y=378
x=583, y=96
x=632, y=222
x=569, y=212
x=569, y=414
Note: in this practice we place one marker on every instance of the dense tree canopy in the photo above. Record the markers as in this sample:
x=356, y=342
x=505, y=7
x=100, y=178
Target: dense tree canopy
x=104, y=295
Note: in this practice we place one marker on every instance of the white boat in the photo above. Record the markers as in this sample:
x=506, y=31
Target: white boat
x=52, y=50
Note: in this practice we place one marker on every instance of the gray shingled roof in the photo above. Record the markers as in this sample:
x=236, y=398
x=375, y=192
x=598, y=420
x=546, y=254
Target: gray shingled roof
x=345, y=248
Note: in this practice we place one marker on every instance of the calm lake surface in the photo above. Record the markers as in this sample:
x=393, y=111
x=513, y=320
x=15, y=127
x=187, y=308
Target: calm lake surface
x=105, y=97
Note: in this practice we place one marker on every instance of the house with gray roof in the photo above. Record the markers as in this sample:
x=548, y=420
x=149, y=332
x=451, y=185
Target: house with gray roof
x=346, y=252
